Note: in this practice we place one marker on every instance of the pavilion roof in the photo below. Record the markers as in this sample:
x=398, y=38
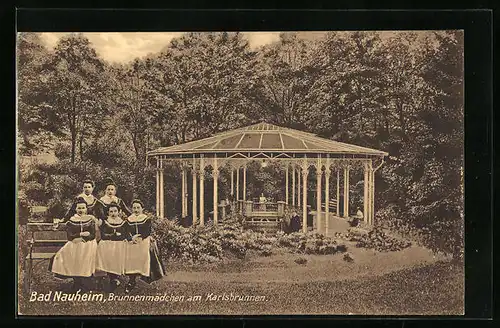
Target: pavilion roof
x=265, y=138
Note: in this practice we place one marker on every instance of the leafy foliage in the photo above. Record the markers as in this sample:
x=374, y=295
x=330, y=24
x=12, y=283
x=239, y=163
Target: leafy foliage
x=34, y=129
x=229, y=239
x=376, y=239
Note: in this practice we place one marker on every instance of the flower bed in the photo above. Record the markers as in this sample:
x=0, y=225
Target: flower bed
x=213, y=243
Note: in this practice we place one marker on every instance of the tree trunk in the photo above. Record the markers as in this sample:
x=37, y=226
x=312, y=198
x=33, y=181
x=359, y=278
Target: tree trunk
x=402, y=124
x=136, y=147
x=73, y=130
x=386, y=119
x=72, y=122
x=73, y=145
x=80, y=146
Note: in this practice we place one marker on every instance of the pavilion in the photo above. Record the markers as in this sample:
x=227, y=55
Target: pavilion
x=295, y=151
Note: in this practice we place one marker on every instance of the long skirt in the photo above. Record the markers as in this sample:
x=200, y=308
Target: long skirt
x=111, y=256
x=157, y=270
x=75, y=259
x=138, y=258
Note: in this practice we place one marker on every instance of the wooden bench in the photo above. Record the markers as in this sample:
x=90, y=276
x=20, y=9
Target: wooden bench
x=46, y=240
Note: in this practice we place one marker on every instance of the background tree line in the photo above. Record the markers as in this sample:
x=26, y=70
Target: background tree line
x=402, y=93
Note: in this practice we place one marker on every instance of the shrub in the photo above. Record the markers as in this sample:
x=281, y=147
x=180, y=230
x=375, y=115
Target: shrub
x=62, y=150
x=348, y=258
x=300, y=260
x=342, y=248
x=285, y=242
x=321, y=245
x=267, y=251
x=375, y=239
x=211, y=244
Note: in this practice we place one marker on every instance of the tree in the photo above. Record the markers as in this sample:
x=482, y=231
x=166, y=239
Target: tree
x=132, y=99
x=440, y=197
x=74, y=89
x=287, y=74
x=421, y=186
x=329, y=97
x=362, y=85
x=205, y=77
x=33, y=127
x=405, y=56
x=348, y=89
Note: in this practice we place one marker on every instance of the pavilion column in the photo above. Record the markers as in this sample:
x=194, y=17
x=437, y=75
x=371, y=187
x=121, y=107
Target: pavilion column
x=158, y=191
x=183, y=199
x=202, y=192
x=346, y=192
x=366, y=200
x=232, y=182
x=215, y=174
x=194, y=174
x=305, y=172
x=338, y=194
x=186, y=194
x=327, y=200
x=162, y=191
x=298, y=187
x=319, y=174
x=238, y=184
x=286, y=183
x=293, y=186
x=372, y=196
x=245, y=182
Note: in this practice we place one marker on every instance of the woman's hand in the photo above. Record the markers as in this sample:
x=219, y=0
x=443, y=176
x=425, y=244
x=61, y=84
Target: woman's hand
x=118, y=234
x=55, y=224
x=85, y=234
x=137, y=239
x=78, y=240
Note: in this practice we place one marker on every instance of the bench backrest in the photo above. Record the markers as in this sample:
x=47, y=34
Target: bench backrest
x=46, y=238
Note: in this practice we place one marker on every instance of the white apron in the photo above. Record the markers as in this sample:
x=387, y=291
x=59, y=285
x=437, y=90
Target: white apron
x=111, y=256
x=76, y=259
x=138, y=260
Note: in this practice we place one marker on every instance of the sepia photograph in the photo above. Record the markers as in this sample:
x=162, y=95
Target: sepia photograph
x=240, y=173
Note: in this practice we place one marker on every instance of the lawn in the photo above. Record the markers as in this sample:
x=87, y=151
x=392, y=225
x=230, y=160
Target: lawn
x=408, y=282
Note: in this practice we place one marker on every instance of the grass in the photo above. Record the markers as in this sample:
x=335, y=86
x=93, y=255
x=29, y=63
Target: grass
x=409, y=282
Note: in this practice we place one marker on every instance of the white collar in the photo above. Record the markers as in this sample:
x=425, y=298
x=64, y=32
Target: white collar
x=114, y=220
x=89, y=199
x=136, y=218
x=107, y=199
x=80, y=218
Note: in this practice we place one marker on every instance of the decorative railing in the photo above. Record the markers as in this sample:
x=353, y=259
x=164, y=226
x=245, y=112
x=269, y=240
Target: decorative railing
x=332, y=205
x=264, y=207
x=251, y=208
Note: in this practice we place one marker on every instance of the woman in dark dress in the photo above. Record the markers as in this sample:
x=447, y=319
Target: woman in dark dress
x=295, y=222
x=94, y=206
x=142, y=258
x=111, y=250
x=77, y=258
x=110, y=197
